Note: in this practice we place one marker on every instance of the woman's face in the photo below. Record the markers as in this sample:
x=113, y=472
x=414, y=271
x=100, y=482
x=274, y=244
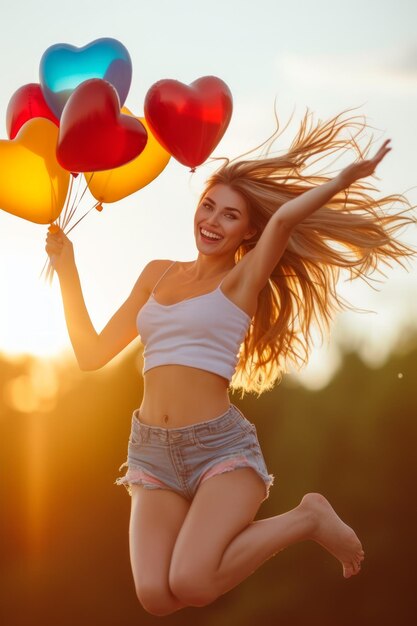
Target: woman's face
x=224, y=214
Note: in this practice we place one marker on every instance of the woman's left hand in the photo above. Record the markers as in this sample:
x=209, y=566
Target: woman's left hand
x=363, y=168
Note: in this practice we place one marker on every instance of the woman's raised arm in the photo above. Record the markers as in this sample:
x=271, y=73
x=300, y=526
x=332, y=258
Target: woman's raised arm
x=263, y=258
x=93, y=350
x=297, y=209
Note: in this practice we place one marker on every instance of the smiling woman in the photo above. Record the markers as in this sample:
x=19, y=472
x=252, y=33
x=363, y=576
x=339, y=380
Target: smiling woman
x=271, y=242
x=189, y=551
x=223, y=217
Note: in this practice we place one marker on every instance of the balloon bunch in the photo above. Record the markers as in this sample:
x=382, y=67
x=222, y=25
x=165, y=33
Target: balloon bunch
x=74, y=122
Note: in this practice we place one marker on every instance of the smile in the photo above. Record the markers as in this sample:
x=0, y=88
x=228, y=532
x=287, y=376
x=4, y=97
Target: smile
x=208, y=235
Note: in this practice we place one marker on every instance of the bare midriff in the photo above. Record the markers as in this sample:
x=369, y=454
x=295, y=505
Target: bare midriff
x=178, y=395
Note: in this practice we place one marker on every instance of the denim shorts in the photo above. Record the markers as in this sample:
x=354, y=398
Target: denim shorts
x=181, y=459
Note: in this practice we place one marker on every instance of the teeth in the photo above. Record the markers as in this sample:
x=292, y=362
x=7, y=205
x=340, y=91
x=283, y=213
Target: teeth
x=206, y=233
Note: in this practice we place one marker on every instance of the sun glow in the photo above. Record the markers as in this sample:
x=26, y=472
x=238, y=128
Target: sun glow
x=32, y=320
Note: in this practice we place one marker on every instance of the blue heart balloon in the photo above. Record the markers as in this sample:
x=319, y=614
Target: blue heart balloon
x=64, y=67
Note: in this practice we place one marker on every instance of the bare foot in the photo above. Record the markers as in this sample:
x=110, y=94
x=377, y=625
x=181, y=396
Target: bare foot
x=333, y=534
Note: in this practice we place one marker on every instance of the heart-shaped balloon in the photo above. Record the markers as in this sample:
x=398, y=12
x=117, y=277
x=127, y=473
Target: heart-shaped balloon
x=26, y=103
x=115, y=184
x=189, y=121
x=93, y=134
x=63, y=68
x=32, y=183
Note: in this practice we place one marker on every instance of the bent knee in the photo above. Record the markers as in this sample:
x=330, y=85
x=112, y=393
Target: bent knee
x=192, y=590
x=157, y=600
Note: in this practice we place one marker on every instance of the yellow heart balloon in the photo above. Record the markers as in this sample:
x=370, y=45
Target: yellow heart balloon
x=33, y=185
x=115, y=184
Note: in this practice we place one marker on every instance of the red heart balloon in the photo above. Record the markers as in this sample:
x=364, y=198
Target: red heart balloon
x=93, y=134
x=25, y=104
x=189, y=121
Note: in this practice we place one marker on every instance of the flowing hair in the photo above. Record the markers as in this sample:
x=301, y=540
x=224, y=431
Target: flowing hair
x=353, y=232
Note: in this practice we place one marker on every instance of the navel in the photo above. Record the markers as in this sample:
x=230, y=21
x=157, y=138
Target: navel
x=166, y=418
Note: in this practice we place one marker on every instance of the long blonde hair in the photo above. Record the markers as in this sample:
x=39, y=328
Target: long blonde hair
x=352, y=232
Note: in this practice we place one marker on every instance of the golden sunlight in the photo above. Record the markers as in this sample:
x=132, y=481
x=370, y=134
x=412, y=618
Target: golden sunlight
x=32, y=322
x=35, y=481
x=35, y=390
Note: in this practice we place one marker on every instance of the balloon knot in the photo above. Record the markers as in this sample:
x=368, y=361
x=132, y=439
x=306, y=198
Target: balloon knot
x=99, y=207
x=75, y=174
x=192, y=170
x=53, y=228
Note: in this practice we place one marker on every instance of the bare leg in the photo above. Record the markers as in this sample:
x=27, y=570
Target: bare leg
x=219, y=528
x=155, y=520
x=314, y=519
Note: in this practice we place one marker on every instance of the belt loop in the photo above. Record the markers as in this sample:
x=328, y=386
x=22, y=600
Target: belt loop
x=193, y=435
x=144, y=433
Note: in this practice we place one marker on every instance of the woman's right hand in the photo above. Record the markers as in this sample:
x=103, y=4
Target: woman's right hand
x=59, y=249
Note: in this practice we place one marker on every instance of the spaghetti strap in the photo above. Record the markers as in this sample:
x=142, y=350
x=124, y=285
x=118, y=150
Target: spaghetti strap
x=218, y=286
x=161, y=277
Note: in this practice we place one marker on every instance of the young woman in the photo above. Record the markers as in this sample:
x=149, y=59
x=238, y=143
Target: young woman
x=271, y=241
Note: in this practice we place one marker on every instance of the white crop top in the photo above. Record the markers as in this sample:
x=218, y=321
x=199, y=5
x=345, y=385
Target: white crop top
x=204, y=331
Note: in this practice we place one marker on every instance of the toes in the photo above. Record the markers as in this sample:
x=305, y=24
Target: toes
x=348, y=570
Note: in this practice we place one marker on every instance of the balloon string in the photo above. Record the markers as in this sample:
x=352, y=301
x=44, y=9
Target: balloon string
x=67, y=218
x=67, y=201
x=76, y=203
x=47, y=259
x=49, y=273
x=81, y=218
x=50, y=269
x=86, y=187
x=73, y=208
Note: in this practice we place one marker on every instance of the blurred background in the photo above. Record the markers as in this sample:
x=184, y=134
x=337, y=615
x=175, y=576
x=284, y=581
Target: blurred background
x=345, y=426
x=64, y=524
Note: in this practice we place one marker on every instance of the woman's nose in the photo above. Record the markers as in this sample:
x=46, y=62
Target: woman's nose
x=213, y=219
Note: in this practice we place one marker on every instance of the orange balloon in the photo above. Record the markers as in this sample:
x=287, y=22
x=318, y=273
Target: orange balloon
x=32, y=183
x=115, y=184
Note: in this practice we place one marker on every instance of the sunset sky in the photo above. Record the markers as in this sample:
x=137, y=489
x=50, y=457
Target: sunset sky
x=327, y=56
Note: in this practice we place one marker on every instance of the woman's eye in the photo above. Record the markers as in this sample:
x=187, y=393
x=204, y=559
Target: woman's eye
x=207, y=205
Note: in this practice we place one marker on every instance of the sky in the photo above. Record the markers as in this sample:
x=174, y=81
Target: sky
x=324, y=56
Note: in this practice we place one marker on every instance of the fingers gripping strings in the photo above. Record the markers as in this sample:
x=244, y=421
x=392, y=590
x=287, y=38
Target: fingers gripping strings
x=71, y=206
